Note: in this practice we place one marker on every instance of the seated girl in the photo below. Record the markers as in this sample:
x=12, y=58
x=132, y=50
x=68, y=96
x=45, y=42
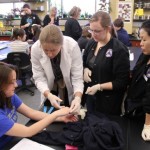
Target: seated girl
x=10, y=104
x=19, y=44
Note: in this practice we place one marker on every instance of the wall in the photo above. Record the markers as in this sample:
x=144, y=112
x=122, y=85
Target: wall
x=40, y=8
x=114, y=13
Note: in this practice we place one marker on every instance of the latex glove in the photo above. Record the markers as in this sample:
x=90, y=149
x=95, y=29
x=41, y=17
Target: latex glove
x=92, y=90
x=146, y=132
x=82, y=113
x=75, y=105
x=87, y=75
x=55, y=101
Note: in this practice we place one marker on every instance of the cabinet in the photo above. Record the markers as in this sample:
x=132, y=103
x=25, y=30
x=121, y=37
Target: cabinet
x=135, y=43
x=5, y=38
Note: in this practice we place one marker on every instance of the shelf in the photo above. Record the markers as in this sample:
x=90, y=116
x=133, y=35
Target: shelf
x=146, y=8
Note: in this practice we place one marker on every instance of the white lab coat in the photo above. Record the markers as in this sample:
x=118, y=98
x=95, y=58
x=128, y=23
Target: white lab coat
x=71, y=66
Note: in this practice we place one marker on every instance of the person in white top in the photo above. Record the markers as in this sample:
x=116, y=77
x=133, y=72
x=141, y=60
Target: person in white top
x=19, y=44
x=58, y=68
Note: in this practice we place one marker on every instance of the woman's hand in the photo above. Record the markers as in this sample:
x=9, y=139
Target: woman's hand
x=54, y=100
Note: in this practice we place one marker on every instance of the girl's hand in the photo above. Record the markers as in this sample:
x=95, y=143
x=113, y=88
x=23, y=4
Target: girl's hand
x=69, y=118
x=62, y=112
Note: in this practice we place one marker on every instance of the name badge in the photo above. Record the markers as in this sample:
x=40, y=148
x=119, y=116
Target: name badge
x=109, y=53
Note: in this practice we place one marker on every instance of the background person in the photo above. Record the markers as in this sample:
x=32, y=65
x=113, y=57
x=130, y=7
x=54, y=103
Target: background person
x=36, y=30
x=28, y=20
x=18, y=44
x=51, y=18
x=106, y=67
x=10, y=104
x=122, y=34
x=138, y=97
x=57, y=68
x=86, y=36
x=72, y=26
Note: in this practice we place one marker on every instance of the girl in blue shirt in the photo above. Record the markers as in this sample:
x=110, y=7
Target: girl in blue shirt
x=10, y=104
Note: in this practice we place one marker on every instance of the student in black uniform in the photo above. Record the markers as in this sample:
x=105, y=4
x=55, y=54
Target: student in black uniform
x=28, y=20
x=138, y=97
x=106, y=67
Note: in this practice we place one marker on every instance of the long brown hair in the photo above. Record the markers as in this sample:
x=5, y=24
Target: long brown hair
x=36, y=32
x=18, y=33
x=5, y=73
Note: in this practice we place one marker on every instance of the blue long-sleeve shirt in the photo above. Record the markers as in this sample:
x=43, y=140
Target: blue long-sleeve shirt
x=123, y=37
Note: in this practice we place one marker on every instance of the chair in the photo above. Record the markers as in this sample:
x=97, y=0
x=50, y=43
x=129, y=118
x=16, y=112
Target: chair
x=22, y=61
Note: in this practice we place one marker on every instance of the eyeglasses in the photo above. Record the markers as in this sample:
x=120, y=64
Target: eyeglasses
x=95, y=31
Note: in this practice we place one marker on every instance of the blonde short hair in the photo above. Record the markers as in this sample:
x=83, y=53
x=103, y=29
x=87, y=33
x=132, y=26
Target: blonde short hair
x=51, y=34
x=74, y=11
x=52, y=8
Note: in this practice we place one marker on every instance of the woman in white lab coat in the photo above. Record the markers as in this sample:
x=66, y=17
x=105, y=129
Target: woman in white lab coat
x=57, y=66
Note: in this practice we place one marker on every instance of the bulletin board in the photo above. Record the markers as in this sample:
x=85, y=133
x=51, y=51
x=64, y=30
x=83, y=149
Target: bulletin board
x=125, y=10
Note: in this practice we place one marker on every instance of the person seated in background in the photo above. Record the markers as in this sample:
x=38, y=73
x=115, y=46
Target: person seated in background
x=83, y=40
x=137, y=103
x=72, y=26
x=10, y=104
x=19, y=44
x=51, y=18
x=28, y=19
x=36, y=30
x=122, y=34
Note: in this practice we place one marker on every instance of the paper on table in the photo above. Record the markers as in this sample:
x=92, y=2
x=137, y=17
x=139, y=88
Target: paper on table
x=26, y=144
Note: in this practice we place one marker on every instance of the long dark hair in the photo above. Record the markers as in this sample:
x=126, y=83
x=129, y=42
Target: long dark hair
x=18, y=32
x=5, y=72
x=146, y=26
x=36, y=32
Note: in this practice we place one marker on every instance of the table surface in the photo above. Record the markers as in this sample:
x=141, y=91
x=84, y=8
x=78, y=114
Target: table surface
x=57, y=126
x=131, y=131
x=4, y=50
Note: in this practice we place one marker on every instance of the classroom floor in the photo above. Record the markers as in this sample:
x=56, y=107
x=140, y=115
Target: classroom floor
x=32, y=101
